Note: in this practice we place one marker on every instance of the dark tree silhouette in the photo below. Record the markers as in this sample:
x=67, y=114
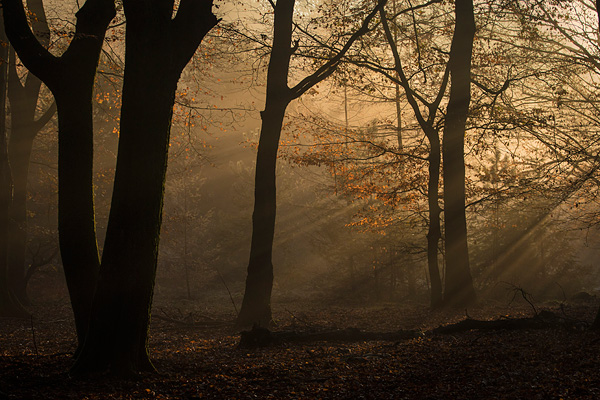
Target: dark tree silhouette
x=459, y=283
x=429, y=126
x=23, y=99
x=9, y=304
x=158, y=47
x=256, y=305
x=70, y=77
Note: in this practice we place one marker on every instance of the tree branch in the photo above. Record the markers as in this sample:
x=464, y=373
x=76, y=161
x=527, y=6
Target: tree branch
x=193, y=21
x=329, y=67
x=44, y=119
x=31, y=52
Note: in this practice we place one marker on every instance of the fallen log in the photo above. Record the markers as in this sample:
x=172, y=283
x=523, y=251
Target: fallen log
x=543, y=320
x=262, y=337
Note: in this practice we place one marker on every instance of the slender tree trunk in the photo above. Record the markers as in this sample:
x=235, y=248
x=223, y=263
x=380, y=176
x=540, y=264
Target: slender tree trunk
x=397, y=87
x=459, y=289
x=19, y=154
x=428, y=127
x=157, y=50
x=434, y=234
x=256, y=306
x=9, y=304
x=24, y=127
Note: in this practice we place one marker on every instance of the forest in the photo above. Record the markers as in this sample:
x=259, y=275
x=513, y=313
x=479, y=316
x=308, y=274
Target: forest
x=299, y=199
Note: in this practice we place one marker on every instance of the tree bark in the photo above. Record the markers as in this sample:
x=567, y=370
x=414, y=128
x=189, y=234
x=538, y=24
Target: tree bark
x=24, y=127
x=256, y=306
x=459, y=289
x=157, y=50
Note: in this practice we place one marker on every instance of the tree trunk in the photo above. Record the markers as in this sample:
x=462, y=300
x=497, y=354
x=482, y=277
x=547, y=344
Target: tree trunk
x=434, y=234
x=256, y=306
x=459, y=289
x=24, y=127
x=71, y=79
x=596, y=323
x=9, y=304
x=19, y=154
x=76, y=222
x=157, y=50
x=428, y=127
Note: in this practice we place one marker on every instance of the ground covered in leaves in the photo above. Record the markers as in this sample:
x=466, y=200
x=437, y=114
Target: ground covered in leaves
x=196, y=352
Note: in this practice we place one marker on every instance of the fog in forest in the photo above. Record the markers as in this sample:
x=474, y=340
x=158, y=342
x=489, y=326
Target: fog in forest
x=436, y=157
x=339, y=237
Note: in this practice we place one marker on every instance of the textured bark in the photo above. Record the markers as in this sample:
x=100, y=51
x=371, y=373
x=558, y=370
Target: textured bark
x=459, y=289
x=256, y=306
x=157, y=50
x=24, y=127
x=70, y=77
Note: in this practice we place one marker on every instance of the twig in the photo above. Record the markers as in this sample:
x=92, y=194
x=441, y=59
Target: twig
x=190, y=324
x=228, y=291
x=299, y=319
x=526, y=296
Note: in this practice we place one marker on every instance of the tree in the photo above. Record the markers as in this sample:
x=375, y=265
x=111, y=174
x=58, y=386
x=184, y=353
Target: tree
x=459, y=283
x=23, y=99
x=158, y=47
x=417, y=76
x=429, y=126
x=9, y=304
x=70, y=77
x=256, y=305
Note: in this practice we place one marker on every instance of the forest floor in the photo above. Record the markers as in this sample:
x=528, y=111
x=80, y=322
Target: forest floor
x=198, y=357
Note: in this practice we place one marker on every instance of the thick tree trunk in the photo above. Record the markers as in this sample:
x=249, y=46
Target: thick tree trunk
x=434, y=234
x=121, y=311
x=157, y=50
x=256, y=306
x=76, y=223
x=459, y=289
